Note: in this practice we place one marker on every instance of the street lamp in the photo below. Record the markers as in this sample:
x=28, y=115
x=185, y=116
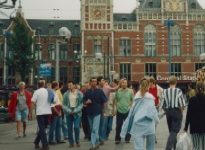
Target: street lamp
x=169, y=24
x=39, y=46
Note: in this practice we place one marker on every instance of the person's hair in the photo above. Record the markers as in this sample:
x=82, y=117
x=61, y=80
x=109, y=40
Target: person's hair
x=92, y=78
x=41, y=83
x=99, y=79
x=86, y=82
x=144, y=85
x=116, y=81
x=48, y=84
x=191, y=85
x=54, y=84
x=172, y=80
x=73, y=82
x=152, y=80
x=60, y=83
x=22, y=83
x=200, y=87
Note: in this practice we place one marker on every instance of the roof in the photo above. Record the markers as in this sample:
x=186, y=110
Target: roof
x=72, y=25
x=157, y=4
x=124, y=17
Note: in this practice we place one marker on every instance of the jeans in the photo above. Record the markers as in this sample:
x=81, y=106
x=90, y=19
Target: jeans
x=94, y=122
x=109, y=125
x=174, y=120
x=70, y=121
x=103, y=128
x=42, y=121
x=64, y=127
x=119, y=122
x=55, y=126
x=139, y=142
x=86, y=126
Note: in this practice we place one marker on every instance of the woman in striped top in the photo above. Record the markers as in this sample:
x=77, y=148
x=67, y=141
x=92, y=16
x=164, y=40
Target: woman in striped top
x=173, y=104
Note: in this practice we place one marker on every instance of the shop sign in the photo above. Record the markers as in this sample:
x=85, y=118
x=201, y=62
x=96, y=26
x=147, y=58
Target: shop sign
x=184, y=77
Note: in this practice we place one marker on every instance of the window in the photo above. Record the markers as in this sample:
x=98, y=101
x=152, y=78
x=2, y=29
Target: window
x=52, y=77
x=199, y=66
x=37, y=50
x=176, y=69
x=97, y=46
x=1, y=51
x=76, y=47
x=175, y=41
x=10, y=52
x=52, y=50
x=11, y=76
x=125, y=71
x=64, y=74
x=199, y=40
x=76, y=74
x=150, y=40
x=1, y=76
x=27, y=79
x=125, y=46
x=151, y=70
x=64, y=52
x=35, y=76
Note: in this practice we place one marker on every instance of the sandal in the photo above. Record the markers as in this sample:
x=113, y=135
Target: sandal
x=117, y=142
x=60, y=142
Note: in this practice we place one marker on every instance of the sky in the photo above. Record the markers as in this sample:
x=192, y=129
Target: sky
x=64, y=9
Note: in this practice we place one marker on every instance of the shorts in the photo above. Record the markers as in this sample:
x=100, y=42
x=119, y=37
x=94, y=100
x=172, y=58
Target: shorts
x=22, y=115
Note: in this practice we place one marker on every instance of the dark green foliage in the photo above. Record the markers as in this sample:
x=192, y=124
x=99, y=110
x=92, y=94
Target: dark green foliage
x=20, y=44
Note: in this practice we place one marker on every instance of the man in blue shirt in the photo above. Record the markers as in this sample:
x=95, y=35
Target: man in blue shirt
x=95, y=100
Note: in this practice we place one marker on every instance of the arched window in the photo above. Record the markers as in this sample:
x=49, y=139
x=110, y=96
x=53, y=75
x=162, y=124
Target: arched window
x=150, y=40
x=175, y=41
x=199, y=40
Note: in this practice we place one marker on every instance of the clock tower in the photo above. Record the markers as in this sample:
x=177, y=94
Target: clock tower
x=96, y=14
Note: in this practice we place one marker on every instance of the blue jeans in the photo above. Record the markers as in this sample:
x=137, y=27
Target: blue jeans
x=139, y=142
x=22, y=115
x=94, y=122
x=103, y=128
x=55, y=126
x=109, y=125
x=64, y=127
x=42, y=121
x=70, y=121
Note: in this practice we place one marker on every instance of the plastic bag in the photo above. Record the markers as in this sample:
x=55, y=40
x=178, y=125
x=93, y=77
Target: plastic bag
x=184, y=142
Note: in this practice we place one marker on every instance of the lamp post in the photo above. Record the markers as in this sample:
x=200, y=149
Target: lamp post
x=169, y=24
x=39, y=45
x=7, y=35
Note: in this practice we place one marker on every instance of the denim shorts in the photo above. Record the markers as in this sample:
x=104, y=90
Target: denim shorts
x=22, y=115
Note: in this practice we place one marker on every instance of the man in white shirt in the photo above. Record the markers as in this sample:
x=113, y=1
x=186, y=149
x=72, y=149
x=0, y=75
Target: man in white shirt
x=43, y=111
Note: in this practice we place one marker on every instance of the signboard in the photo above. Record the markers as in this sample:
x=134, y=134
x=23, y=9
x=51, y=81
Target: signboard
x=184, y=77
x=45, y=69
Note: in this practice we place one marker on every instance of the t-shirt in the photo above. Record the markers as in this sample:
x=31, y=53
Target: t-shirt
x=153, y=91
x=21, y=105
x=56, y=100
x=72, y=98
x=60, y=96
x=40, y=97
x=124, y=99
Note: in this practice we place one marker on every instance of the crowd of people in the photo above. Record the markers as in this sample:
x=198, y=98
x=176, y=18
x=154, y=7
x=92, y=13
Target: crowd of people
x=94, y=106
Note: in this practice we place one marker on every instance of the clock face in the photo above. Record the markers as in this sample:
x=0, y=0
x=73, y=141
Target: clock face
x=98, y=13
x=174, y=5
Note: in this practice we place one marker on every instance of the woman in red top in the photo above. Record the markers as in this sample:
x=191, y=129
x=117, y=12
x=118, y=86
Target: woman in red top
x=19, y=107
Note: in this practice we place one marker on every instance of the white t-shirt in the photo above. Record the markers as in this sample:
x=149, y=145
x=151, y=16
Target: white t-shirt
x=56, y=100
x=40, y=97
x=72, y=98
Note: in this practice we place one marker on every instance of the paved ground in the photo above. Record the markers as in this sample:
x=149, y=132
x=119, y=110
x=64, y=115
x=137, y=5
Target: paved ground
x=8, y=142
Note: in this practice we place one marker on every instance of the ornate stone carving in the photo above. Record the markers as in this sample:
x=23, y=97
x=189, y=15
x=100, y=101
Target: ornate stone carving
x=176, y=29
x=199, y=29
x=150, y=28
x=174, y=5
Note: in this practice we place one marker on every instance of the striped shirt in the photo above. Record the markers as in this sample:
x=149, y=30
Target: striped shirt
x=172, y=98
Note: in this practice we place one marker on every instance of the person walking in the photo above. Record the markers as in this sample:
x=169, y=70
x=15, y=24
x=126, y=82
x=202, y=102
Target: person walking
x=104, y=120
x=43, y=111
x=191, y=91
x=124, y=99
x=173, y=105
x=111, y=108
x=56, y=117
x=19, y=108
x=95, y=101
x=72, y=105
x=64, y=124
x=142, y=118
x=85, y=123
x=195, y=117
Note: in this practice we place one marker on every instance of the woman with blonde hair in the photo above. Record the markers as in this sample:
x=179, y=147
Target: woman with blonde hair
x=19, y=108
x=142, y=118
